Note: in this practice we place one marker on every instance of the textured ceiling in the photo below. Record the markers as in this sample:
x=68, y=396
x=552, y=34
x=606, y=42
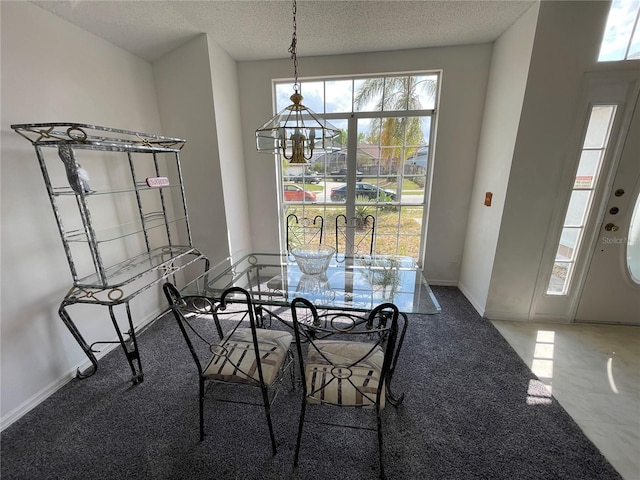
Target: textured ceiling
x=254, y=30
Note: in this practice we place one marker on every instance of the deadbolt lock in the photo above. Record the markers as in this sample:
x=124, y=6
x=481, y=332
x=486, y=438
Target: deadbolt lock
x=610, y=227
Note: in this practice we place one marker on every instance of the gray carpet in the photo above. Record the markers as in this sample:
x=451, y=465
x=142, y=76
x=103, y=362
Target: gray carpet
x=471, y=412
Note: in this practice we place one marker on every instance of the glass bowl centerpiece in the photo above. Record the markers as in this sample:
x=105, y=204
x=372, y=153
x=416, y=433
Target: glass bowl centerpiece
x=313, y=260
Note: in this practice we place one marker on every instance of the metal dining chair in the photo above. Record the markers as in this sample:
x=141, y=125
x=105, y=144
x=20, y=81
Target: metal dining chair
x=228, y=348
x=354, y=235
x=304, y=231
x=345, y=361
x=301, y=232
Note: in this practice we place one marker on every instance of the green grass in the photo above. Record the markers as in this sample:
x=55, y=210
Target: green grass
x=408, y=186
x=396, y=232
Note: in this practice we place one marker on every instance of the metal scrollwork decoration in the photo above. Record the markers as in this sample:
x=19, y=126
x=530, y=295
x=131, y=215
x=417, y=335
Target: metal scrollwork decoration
x=43, y=133
x=78, y=137
x=115, y=294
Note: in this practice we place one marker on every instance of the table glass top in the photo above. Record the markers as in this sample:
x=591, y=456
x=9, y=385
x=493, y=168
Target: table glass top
x=357, y=283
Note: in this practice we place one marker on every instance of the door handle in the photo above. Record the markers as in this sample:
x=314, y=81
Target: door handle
x=610, y=227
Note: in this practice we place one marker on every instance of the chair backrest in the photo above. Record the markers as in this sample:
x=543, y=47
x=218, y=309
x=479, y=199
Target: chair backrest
x=191, y=315
x=355, y=235
x=205, y=322
x=304, y=231
x=343, y=348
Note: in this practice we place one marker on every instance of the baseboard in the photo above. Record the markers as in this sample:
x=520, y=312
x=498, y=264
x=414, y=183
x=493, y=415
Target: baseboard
x=506, y=316
x=32, y=402
x=550, y=318
x=474, y=302
x=35, y=400
x=442, y=283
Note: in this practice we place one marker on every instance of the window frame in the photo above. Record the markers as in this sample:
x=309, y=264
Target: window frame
x=350, y=118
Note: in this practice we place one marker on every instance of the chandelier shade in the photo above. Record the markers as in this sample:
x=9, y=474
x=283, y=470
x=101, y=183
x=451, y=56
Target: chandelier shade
x=296, y=132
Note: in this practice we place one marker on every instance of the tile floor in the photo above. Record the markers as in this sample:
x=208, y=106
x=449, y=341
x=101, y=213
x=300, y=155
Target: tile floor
x=594, y=373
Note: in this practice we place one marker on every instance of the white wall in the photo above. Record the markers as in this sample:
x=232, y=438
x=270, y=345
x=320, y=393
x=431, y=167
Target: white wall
x=186, y=103
x=464, y=82
x=226, y=94
x=198, y=98
x=52, y=72
x=566, y=45
x=505, y=94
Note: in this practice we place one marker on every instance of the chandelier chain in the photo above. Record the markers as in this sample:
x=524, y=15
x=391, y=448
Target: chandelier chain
x=292, y=49
x=296, y=133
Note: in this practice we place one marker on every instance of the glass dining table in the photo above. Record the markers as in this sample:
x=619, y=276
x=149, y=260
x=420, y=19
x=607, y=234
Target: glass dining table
x=354, y=284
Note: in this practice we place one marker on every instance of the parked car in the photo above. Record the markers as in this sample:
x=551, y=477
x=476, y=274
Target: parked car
x=341, y=175
x=295, y=193
x=306, y=178
x=363, y=189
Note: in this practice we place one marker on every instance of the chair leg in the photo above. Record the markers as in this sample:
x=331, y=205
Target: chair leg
x=379, y=420
x=302, y=412
x=292, y=372
x=267, y=410
x=201, y=399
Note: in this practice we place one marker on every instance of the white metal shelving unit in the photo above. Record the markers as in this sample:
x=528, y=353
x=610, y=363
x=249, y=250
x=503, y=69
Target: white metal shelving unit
x=119, y=203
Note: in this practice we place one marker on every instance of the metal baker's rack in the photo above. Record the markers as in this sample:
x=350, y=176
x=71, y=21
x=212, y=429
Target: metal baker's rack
x=119, y=202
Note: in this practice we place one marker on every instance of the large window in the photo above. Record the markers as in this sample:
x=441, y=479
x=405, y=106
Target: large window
x=383, y=166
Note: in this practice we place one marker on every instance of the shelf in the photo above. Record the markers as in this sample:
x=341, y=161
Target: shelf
x=152, y=222
x=142, y=187
x=93, y=137
x=87, y=248
x=166, y=259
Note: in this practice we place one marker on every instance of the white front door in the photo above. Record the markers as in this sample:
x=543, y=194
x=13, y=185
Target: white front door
x=584, y=275
x=610, y=292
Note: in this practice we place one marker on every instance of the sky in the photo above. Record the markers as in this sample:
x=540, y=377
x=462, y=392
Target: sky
x=335, y=96
x=623, y=17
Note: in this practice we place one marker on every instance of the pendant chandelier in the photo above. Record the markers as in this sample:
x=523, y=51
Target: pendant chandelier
x=296, y=132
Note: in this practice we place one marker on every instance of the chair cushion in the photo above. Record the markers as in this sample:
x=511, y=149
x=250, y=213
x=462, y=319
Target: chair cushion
x=234, y=358
x=354, y=386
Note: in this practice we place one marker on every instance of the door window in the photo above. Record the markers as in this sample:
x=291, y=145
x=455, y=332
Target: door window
x=593, y=152
x=633, y=244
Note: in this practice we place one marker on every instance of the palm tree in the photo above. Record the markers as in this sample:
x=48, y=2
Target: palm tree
x=396, y=93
